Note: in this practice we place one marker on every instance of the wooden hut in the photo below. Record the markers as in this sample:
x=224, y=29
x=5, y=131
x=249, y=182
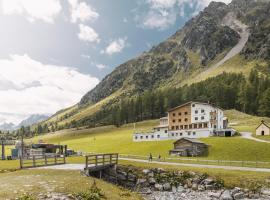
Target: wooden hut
x=189, y=147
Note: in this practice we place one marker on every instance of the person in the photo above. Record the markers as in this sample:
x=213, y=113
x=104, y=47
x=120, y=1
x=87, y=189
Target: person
x=150, y=157
x=159, y=157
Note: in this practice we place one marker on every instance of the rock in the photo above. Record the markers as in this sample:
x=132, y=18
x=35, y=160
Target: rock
x=142, y=182
x=201, y=187
x=208, y=181
x=146, y=171
x=209, y=187
x=235, y=190
x=180, y=189
x=226, y=195
x=239, y=195
x=151, y=181
x=158, y=187
x=150, y=174
x=265, y=191
x=174, y=189
x=189, y=183
x=214, y=195
x=145, y=191
x=194, y=186
x=167, y=186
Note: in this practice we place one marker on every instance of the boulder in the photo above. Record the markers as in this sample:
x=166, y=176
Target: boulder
x=151, y=181
x=158, y=187
x=180, y=189
x=208, y=181
x=265, y=191
x=142, y=182
x=226, y=195
x=150, y=174
x=194, y=186
x=201, y=187
x=235, y=190
x=214, y=195
x=167, y=186
x=239, y=195
x=145, y=191
x=146, y=171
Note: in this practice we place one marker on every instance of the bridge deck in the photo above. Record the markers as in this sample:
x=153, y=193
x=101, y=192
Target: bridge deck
x=97, y=162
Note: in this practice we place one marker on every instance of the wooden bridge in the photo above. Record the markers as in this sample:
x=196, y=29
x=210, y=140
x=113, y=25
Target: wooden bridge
x=99, y=162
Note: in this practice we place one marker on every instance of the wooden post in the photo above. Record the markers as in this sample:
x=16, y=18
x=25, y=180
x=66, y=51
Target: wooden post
x=55, y=159
x=86, y=162
x=103, y=159
x=46, y=162
x=116, y=158
x=21, y=162
x=110, y=159
x=64, y=158
x=34, y=161
x=96, y=157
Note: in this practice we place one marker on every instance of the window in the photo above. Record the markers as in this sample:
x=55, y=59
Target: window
x=188, y=133
x=172, y=127
x=200, y=125
x=176, y=134
x=158, y=136
x=181, y=134
x=215, y=126
x=195, y=126
x=179, y=120
x=136, y=137
x=202, y=117
x=186, y=113
x=194, y=133
x=190, y=126
x=173, y=114
x=202, y=111
x=173, y=121
x=196, y=118
x=165, y=131
x=205, y=125
x=141, y=137
x=179, y=114
x=186, y=126
x=172, y=134
x=196, y=111
x=158, y=129
x=193, y=105
x=152, y=136
x=177, y=127
x=186, y=119
x=146, y=137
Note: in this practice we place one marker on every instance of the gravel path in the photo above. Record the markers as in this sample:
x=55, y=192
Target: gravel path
x=249, y=136
x=81, y=166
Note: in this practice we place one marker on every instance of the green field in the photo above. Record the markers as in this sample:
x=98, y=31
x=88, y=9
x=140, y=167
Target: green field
x=34, y=182
x=110, y=139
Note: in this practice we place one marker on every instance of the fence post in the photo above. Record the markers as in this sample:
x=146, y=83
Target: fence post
x=55, y=159
x=103, y=159
x=64, y=159
x=96, y=157
x=86, y=162
x=34, y=161
x=46, y=162
x=110, y=159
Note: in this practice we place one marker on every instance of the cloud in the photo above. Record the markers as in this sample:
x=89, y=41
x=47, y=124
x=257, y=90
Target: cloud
x=33, y=87
x=115, y=46
x=88, y=34
x=32, y=9
x=82, y=12
x=161, y=14
x=101, y=66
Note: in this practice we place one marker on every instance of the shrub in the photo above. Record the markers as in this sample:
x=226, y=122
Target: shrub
x=94, y=193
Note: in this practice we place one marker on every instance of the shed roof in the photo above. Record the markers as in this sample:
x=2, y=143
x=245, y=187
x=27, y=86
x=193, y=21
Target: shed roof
x=263, y=123
x=193, y=140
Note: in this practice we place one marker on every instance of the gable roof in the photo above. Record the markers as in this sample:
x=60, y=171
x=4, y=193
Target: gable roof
x=263, y=123
x=193, y=140
x=190, y=102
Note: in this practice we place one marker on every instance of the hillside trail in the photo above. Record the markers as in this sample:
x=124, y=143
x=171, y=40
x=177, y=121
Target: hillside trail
x=249, y=136
x=231, y=21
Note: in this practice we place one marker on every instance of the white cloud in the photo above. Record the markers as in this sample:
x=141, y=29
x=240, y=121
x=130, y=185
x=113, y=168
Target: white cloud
x=33, y=87
x=45, y=10
x=88, y=34
x=101, y=66
x=115, y=46
x=82, y=12
x=161, y=14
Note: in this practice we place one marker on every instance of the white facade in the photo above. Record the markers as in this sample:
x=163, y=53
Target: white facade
x=209, y=120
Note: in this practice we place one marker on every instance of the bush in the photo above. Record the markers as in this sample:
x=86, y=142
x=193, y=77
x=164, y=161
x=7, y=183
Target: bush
x=26, y=197
x=94, y=193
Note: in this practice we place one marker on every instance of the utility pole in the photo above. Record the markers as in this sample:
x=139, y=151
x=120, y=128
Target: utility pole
x=3, y=148
x=22, y=147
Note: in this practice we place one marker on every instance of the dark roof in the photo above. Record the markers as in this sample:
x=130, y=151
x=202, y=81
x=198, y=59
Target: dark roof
x=190, y=102
x=262, y=122
x=193, y=140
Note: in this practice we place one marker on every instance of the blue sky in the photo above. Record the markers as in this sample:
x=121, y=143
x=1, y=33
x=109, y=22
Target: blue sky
x=52, y=52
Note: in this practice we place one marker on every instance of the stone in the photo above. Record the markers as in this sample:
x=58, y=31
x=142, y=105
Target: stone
x=150, y=174
x=208, y=181
x=146, y=171
x=142, y=182
x=151, y=181
x=235, y=190
x=180, y=189
x=209, y=187
x=145, y=191
x=239, y=195
x=226, y=195
x=167, y=186
x=265, y=191
x=158, y=187
x=174, y=189
x=194, y=186
x=214, y=195
x=201, y=187
x=189, y=183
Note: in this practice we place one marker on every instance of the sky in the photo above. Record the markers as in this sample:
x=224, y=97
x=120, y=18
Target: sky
x=54, y=51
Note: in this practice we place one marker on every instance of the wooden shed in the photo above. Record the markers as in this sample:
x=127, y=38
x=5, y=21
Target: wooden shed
x=263, y=129
x=189, y=147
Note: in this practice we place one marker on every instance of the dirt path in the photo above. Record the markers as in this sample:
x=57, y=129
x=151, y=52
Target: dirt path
x=81, y=166
x=249, y=136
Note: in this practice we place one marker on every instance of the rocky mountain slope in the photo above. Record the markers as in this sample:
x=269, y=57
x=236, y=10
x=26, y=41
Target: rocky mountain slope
x=207, y=45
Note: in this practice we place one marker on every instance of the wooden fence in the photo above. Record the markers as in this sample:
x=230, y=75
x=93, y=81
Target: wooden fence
x=42, y=160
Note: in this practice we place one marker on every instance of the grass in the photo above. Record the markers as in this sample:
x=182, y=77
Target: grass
x=111, y=139
x=33, y=182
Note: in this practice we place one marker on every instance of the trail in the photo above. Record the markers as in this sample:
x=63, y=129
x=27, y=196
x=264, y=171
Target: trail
x=249, y=136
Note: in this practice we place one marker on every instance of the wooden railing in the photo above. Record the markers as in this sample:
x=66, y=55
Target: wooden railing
x=101, y=160
x=42, y=160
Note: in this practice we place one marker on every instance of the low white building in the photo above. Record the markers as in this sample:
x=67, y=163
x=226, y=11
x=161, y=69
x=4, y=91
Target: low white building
x=190, y=120
x=263, y=129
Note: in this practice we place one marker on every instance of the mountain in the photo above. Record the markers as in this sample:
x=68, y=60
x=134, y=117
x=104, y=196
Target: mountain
x=33, y=119
x=7, y=126
x=221, y=38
